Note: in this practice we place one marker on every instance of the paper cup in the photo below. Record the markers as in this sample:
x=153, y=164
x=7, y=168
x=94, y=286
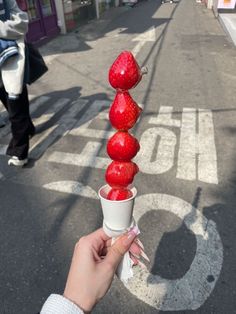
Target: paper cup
x=117, y=214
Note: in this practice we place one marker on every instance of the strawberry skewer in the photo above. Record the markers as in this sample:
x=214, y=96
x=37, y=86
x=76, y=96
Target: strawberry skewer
x=118, y=196
x=124, y=74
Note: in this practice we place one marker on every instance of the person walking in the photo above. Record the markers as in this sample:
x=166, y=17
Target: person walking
x=13, y=90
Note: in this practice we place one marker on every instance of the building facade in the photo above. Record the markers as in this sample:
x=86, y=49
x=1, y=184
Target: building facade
x=47, y=18
x=43, y=22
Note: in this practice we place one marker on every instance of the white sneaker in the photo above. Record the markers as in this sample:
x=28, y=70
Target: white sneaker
x=15, y=161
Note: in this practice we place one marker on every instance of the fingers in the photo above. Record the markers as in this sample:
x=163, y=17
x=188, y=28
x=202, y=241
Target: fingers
x=96, y=240
x=120, y=247
x=133, y=249
x=134, y=260
x=138, y=241
x=99, y=234
x=137, y=262
x=114, y=253
x=137, y=253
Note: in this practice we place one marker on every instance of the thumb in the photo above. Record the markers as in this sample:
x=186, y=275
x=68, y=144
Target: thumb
x=120, y=247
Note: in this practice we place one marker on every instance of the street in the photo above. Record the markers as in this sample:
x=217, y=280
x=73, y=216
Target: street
x=186, y=204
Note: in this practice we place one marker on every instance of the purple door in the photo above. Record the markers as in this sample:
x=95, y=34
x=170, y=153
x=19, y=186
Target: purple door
x=43, y=20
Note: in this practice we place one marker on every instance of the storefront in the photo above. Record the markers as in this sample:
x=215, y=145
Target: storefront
x=78, y=11
x=43, y=20
x=50, y=17
x=226, y=6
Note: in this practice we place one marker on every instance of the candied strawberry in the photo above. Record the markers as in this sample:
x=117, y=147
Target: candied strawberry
x=124, y=111
x=124, y=73
x=119, y=194
x=122, y=146
x=121, y=173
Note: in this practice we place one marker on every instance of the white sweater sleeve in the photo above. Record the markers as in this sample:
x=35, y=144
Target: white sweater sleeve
x=17, y=26
x=57, y=304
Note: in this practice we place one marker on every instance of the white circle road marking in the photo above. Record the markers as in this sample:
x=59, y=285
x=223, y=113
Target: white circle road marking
x=193, y=289
x=72, y=187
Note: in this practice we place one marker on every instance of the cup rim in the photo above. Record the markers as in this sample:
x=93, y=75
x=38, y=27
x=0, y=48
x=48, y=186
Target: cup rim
x=133, y=189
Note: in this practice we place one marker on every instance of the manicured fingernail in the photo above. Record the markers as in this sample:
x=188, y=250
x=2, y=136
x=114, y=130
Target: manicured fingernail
x=136, y=256
x=139, y=243
x=144, y=255
x=143, y=266
x=132, y=233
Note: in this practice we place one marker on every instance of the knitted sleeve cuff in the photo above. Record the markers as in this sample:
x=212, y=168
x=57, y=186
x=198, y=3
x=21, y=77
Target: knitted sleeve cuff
x=57, y=304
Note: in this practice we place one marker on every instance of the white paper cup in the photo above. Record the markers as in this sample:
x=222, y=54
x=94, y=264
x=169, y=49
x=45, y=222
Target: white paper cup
x=117, y=214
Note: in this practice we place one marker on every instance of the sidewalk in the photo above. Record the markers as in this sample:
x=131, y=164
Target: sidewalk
x=228, y=21
x=90, y=31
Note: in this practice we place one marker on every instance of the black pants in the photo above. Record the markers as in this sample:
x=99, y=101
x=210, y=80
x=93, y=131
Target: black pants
x=21, y=123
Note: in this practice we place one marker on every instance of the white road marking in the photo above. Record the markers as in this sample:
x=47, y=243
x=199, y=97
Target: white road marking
x=193, y=289
x=63, y=126
x=87, y=158
x=158, y=144
x=83, y=126
x=164, y=117
x=117, y=32
x=160, y=160
x=93, y=112
x=147, y=36
x=201, y=145
x=34, y=151
x=207, y=159
x=85, y=131
x=40, y=146
x=36, y=103
x=187, y=148
x=46, y=138
x=33, y=108
x=72, y=187
x=51, y=111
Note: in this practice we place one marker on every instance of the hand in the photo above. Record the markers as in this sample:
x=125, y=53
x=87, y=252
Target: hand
x=94, y=264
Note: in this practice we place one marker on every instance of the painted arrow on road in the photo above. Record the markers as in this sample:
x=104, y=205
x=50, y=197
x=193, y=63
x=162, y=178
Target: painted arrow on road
x=143, y=38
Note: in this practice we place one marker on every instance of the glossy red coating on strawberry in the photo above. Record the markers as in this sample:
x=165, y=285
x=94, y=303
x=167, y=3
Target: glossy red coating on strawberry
x=119, y=194
x=122, y=146
x=124, y=111
x=121, y=173
x=124, y=73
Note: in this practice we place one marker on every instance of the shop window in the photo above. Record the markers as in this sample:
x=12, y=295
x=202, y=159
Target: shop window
x=32, y=9
x=46, y=7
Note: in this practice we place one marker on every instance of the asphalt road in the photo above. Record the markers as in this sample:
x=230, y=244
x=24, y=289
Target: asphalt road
x=186, y=187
